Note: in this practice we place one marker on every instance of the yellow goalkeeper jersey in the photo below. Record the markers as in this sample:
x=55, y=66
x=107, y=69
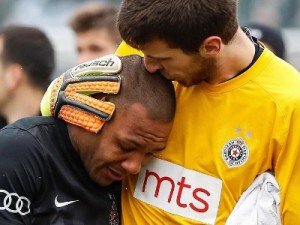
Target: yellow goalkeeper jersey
x=224, y=136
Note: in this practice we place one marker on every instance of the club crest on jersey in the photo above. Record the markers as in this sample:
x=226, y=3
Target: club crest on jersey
x=235, y=152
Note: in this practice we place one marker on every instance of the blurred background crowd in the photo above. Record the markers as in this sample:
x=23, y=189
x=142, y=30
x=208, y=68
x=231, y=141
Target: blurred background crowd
x=52, y=16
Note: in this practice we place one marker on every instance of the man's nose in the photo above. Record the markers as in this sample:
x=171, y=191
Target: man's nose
x=134, y=162
x=152, y=65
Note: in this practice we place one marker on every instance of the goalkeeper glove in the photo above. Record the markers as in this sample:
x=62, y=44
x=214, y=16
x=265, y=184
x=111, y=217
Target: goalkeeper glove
x=69, y=96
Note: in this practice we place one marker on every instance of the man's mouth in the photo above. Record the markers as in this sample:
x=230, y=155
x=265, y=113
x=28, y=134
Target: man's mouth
x=115, y=174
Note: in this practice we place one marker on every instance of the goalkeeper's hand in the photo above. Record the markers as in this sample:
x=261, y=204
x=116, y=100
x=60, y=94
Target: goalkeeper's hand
x=69, y=96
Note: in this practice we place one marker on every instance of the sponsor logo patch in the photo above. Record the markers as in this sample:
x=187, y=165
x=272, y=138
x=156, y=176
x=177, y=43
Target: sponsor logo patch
x=59, y=204
x=105, y=65
x=14, y=203
x=109, y=62
x=179, y=191
x=235, y=152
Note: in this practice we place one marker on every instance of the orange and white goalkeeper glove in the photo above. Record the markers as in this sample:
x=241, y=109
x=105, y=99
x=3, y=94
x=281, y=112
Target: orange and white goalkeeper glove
x=69, y=96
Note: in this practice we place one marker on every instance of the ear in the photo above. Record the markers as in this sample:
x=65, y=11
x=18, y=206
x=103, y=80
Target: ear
x=14, y=76
x=210, y=47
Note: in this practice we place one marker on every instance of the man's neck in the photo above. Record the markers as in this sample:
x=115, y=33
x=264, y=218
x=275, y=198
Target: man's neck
x=235, y=57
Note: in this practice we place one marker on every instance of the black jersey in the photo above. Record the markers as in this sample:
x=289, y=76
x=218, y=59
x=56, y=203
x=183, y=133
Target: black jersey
x=43, y=181
x=2, y=122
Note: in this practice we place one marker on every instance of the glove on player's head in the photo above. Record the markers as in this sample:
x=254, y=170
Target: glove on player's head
x=69, y=96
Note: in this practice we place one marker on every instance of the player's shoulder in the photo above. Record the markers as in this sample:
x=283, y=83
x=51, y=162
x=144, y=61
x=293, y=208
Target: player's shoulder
x=29, y=123
x=281, y=69
x=277, y=76
x=27, y=134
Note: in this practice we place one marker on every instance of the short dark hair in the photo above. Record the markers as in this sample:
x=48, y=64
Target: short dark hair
x=30, y=48
x=183, y=24
x=95, y=15
x=152, y=90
